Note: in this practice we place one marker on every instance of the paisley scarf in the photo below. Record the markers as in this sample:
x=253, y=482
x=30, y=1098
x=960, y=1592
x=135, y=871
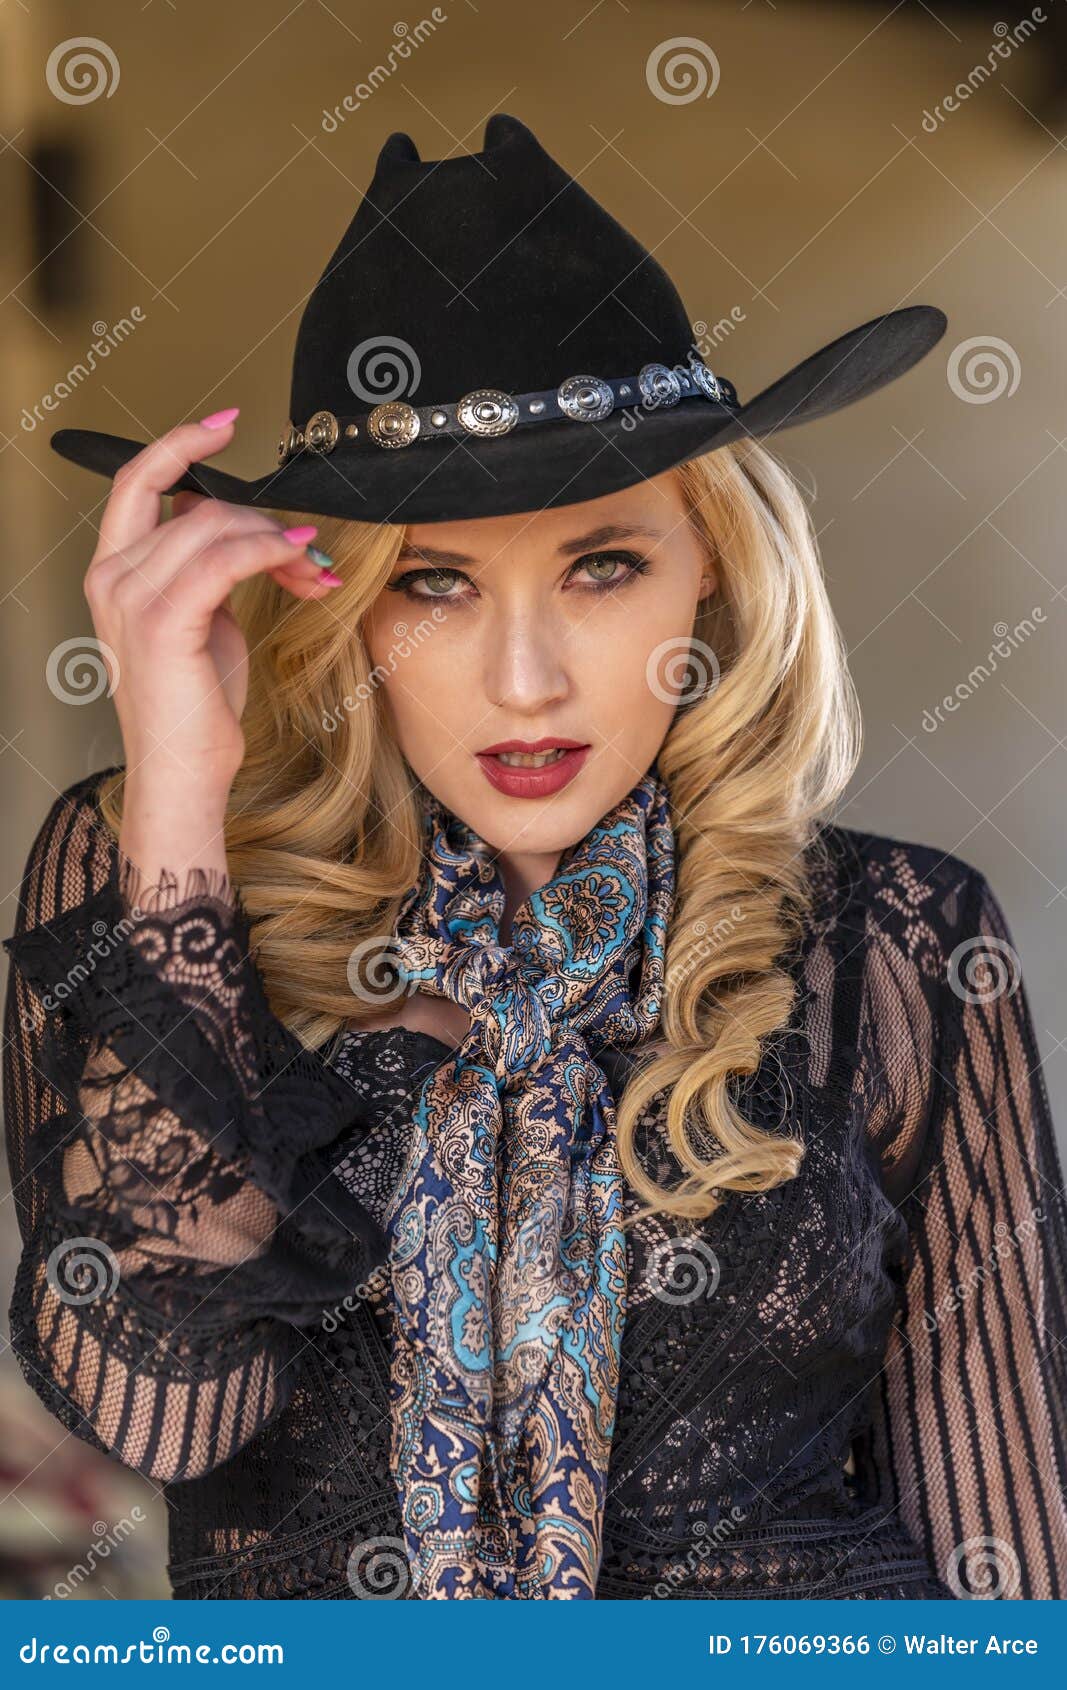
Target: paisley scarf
x=507, y=1256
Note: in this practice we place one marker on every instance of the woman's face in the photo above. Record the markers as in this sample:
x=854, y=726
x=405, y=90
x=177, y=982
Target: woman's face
x=555, y=626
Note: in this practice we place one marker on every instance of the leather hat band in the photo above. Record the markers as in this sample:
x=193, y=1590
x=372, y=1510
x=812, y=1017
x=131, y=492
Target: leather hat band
x=488, y=411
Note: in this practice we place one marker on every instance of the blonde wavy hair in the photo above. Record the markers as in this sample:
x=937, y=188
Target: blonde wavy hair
x=323, y=833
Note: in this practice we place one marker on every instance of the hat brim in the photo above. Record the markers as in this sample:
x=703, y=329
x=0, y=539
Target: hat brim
x=551, y=463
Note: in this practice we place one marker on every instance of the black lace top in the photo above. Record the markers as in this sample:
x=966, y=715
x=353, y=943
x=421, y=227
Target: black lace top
x=852, y=1386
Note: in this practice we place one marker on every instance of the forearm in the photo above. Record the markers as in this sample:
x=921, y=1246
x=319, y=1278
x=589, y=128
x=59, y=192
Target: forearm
x=157, y=1109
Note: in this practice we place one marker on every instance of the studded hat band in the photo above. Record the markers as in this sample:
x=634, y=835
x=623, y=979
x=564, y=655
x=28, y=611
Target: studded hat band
x=488, y=411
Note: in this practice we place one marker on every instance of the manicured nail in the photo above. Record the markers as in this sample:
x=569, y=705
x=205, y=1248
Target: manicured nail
x=323, y=559
x=331, y=579
x=300, y=536
x=219, y=419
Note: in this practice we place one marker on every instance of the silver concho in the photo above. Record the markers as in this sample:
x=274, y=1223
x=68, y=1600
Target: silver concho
x=705, y=380
x=659, y=385
x=487, y=410
x=290, y=440
x=393, y=424
x=321, y=432
x=585, y=398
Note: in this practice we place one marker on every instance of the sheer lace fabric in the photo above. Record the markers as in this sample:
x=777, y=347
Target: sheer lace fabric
x=853, y=1386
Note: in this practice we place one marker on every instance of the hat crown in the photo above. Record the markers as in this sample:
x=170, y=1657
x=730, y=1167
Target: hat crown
x=490, y=269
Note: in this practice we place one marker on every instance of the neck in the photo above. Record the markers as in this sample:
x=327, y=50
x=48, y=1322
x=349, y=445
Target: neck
x=522, y=873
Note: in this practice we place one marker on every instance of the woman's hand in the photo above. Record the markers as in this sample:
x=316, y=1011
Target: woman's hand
x=158, y=594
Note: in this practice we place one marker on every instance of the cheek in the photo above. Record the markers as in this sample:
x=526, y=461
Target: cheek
x=623, y=663
x=418, y=666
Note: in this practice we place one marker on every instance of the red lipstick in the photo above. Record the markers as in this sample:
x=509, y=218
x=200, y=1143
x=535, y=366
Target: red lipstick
x=518, y=781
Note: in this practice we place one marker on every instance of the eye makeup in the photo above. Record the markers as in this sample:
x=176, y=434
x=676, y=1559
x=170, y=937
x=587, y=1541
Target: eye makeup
x=634, y=564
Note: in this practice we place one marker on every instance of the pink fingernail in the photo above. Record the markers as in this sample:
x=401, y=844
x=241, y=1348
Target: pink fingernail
x=219, y=419
x=299, y=536
x=334, y=580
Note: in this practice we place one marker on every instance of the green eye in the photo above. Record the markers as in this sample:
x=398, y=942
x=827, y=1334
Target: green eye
x=608, y=563
x=632, y=565
x=435, y=577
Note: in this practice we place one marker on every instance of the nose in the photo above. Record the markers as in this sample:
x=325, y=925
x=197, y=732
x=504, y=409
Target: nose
x=525, y=658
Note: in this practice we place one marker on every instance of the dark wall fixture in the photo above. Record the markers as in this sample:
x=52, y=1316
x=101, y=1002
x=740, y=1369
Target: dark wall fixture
x=56, y=188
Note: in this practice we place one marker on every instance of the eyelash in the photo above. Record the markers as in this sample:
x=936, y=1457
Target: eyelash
x=636, y=566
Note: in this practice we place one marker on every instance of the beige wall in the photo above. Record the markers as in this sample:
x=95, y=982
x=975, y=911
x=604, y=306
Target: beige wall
x=805, y=193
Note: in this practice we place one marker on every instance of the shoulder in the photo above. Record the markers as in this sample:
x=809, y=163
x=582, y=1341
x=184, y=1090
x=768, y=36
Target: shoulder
x=910, y=892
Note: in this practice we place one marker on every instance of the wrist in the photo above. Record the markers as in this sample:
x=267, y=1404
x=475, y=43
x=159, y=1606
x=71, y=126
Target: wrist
x=173, y=827
x=180, y=799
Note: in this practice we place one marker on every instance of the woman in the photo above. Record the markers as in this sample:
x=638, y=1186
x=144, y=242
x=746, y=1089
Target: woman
x=605, y=1176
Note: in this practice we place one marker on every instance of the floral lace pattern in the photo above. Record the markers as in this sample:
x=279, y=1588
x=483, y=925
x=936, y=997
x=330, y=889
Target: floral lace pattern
x=853, y=1386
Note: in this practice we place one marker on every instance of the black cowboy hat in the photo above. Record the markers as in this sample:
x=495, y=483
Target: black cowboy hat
x=487, y=339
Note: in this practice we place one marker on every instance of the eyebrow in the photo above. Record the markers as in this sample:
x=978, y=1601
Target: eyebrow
x=602, y=536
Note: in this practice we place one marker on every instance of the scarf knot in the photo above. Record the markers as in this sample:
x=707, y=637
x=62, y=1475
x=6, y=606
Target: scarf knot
x=514, y=1014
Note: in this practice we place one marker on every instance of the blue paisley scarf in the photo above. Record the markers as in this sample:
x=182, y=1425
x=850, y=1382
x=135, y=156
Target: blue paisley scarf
x=507, y=1255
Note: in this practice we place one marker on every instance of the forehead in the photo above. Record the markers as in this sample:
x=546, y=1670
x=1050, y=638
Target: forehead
x=651, y=508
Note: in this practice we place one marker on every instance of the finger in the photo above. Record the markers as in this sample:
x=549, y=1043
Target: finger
x=302, y=567
x=204, y=584
x=300, y=586
x=134, y=506
x=159, y=560
x=185, y=501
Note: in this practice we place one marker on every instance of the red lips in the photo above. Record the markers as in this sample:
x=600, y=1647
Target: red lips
x=531, y=745
x=533, y=783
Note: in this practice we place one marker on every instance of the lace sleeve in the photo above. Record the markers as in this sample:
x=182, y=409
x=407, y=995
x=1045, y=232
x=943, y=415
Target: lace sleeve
x=971, y=1437
x=171, y=1148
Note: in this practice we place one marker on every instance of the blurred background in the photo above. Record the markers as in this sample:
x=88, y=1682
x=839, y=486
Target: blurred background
x=173, y=180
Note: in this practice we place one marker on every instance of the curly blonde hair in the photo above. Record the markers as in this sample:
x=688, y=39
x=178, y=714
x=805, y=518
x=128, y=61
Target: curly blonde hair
x=323, y=828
